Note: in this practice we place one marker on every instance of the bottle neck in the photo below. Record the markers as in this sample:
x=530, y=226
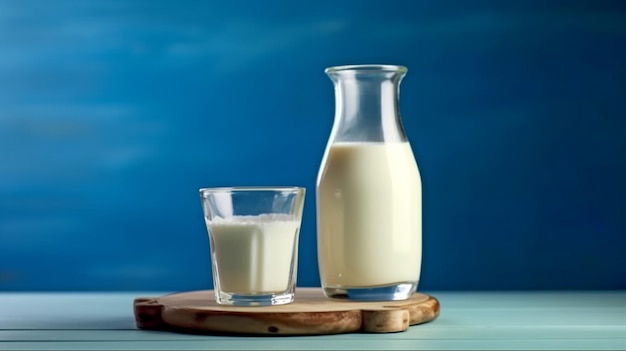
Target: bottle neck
x=367, y=106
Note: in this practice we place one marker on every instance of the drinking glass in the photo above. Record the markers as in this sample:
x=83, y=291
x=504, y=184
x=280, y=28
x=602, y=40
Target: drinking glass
x=253, y=236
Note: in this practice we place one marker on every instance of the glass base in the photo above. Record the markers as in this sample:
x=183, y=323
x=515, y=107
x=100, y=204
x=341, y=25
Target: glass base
x=259, y=299
x=400, y=291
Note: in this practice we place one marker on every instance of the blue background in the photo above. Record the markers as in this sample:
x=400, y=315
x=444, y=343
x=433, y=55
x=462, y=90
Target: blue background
x=114, y=113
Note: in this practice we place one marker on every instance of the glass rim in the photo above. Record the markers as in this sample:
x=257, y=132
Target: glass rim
x=369, y=68
x=234, y=189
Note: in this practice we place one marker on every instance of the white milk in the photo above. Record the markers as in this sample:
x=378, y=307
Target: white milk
x=369, y=215
x=254, y=253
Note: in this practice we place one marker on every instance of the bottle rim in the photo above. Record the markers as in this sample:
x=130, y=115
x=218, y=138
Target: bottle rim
x=364, y=69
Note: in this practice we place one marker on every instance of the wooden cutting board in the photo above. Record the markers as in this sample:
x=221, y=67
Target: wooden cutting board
x=310, y=314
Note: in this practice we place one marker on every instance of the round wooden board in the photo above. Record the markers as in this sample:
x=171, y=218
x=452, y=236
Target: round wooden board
x=310, y=314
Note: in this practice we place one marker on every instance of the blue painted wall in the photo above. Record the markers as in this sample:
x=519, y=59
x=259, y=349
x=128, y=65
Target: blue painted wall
x=114, y=113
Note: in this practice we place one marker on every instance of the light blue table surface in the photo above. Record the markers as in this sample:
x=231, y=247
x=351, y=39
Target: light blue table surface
x=468, y=321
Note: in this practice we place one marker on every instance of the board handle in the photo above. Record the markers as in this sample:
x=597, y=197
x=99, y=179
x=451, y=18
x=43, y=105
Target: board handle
x=389, y=320
x=399, y=319
x=148, y=313
x=424, y=312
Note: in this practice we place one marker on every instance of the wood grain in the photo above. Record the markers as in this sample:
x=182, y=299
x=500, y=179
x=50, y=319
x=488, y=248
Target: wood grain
x=310, y=314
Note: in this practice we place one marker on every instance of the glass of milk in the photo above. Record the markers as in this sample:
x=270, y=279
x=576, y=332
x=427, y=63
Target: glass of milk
x=253, y=235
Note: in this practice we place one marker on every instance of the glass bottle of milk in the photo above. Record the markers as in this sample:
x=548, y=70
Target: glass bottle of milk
x=369, y=192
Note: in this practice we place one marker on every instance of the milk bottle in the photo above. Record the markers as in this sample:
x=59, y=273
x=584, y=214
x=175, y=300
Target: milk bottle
x=369, y=211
